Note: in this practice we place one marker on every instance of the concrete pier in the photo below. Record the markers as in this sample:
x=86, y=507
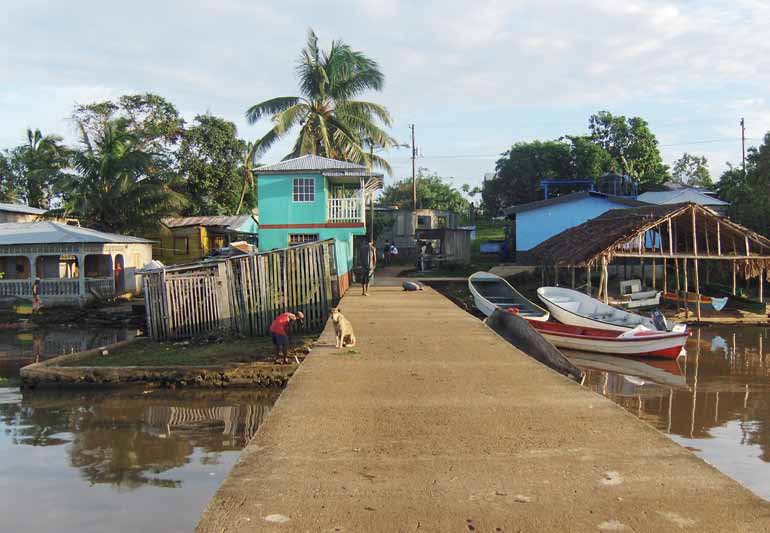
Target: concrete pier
x=434, y=423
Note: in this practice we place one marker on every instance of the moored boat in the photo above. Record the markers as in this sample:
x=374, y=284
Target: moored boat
x=492, y=292
x=738, y=301
x=717, y=304
x=577, y=309
x=638, y=342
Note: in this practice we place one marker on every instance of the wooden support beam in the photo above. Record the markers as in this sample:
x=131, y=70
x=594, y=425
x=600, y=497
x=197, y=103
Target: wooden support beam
x=654, y=273
x=693, y=256
x=678, y=283
x=556, y=275
x=588, y=280
x=719, y=240
x=762, y=285
x=670, y=240
x=573, y=276
x=686, y=288
x=606, y=279
x=665, y=276
x=695, y=251
x=735, y=286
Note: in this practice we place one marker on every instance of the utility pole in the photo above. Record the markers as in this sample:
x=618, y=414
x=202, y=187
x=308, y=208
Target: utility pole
x=743, y=146
x=371, y=198
x=414, y=177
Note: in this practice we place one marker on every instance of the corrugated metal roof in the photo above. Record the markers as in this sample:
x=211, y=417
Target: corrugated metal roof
x=565, y=198
x=57, y=233
x=228, y=221
x=310, y=162
x=19, y=208
x=679, y=196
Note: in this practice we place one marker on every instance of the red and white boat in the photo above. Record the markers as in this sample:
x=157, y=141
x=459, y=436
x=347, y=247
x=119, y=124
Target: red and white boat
x=638, y=342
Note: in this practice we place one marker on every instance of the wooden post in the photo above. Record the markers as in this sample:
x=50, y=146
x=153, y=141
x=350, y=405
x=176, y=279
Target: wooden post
x=686, y=288
x=588, y=279
x=665, y=276
x=573, y=276
x=670, y=239
x=654, y=273
x=678, y=287
x=735, y=269
x=542, y=276
x=762, y=285
x=556, y=275
x=719, y=240
x=695, y=251
x=606, y=281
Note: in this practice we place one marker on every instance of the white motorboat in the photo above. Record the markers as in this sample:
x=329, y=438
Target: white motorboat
x=492, y=292
x=577, y=309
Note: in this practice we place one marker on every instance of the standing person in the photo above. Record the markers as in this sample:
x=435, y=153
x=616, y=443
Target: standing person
x=367, y=261
x=36, y=301
x=386, y=250
x=280, y=334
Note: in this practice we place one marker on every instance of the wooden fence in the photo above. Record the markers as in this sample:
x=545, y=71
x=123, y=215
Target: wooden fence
x=242, y=294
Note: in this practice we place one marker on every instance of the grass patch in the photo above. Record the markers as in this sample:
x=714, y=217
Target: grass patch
x=194, y=353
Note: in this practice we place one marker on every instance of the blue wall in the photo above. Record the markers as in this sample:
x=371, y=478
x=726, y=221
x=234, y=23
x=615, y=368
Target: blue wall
x=537, y=225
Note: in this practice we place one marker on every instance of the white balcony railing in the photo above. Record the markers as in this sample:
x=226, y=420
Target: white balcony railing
x=345, y=210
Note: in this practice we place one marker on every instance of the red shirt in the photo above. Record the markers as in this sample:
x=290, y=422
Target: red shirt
x=278, y=325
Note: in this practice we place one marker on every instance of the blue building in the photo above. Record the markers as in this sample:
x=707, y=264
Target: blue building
x=537, y=221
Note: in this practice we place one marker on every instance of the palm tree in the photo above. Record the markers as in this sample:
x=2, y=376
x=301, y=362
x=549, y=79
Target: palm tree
x=44, y=159
x=332, y=123
x=118, y=186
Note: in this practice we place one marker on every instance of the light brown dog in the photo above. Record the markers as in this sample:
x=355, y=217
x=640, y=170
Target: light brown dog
x=344, y=330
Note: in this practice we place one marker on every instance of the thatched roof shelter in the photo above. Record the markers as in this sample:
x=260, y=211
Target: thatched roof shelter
x=678, y=231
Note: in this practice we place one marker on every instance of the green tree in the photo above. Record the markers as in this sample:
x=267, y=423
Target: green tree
x=153, y=120
x=331, y=122
x=11, y=176
x=691, y=170
x=117, y=186
x=589, y=160
x=633, y=146
x=749, y=192
x=433, y=192
x=209, y=159
x=44, y=159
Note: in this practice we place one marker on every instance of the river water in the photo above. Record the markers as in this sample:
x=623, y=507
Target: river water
x=715, y=401
x=110, y=460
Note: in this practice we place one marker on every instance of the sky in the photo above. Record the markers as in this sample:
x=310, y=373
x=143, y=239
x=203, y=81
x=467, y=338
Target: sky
x=473, y=77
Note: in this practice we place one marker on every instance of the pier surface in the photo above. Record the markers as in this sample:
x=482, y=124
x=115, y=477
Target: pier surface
x=437, y=424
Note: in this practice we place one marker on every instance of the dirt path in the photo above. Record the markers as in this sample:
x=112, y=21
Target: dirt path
x=437, y=424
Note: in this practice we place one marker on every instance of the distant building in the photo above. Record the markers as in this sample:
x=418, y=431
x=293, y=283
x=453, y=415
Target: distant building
x=312, y=198
x=185, y=239
x=74, y=264
x=406, y=223
x=683, y=195
x=19, y=213
x=537, y=221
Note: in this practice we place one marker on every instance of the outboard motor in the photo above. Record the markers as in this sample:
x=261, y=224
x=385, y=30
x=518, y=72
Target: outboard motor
x=659, y=320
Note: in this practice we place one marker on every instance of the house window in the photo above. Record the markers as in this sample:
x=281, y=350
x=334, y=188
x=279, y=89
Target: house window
x=181, y=246
x=423, y=222
x=441, y=222
x=303, y=190
x=216, y=242
x=302, y=238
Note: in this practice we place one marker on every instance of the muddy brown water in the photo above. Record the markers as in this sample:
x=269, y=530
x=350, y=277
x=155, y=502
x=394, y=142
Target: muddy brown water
x=715, y=400
x=120, y=460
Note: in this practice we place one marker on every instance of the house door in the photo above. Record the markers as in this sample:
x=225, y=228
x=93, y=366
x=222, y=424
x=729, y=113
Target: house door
x=120, y=275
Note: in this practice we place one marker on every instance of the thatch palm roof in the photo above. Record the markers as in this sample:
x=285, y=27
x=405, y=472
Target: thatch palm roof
x=631, y=232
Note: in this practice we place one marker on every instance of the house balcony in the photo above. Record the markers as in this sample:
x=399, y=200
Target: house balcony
x=346, y=210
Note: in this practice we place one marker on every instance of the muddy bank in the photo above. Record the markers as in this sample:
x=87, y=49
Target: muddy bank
x=231, y=375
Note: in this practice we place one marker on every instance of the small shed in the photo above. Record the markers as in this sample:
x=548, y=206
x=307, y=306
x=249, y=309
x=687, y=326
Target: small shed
x=407, y=222
x=185, y=239
x=454, y=244
x=74, y=264
x=682, y=236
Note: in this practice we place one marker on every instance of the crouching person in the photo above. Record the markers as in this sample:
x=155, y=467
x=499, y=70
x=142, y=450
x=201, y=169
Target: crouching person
x=279, y=331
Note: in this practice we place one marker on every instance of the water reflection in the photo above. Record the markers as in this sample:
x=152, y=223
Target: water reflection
x=721, y=407
x=25, y=345
x=64, y=445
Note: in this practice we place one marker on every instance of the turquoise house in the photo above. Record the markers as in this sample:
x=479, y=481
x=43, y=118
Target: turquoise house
x=312, y=198
x=538, y=221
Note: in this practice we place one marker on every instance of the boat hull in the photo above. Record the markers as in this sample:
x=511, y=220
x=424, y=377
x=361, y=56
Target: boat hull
x=652, y=344
x=692, y=300
x=525, y=308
